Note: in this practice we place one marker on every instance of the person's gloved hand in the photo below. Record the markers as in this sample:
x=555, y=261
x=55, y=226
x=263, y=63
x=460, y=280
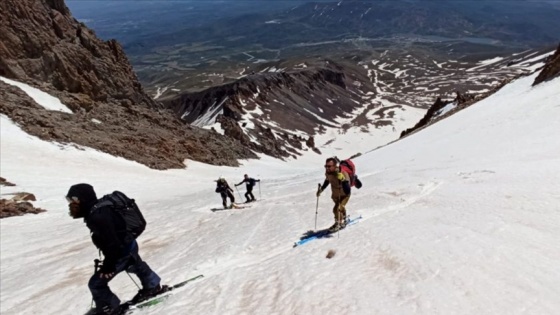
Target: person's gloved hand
x=340, y=177
x=319, y=192
x=107, y=270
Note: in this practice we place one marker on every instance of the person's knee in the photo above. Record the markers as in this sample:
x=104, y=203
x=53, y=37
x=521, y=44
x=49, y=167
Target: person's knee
x=96, y=282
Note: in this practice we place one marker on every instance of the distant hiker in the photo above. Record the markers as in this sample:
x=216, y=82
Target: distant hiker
x=340, y=186
x=111, y=234
x=225, y=191
x=250, y=183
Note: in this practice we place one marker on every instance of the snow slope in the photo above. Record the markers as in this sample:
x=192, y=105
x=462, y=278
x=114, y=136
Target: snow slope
x=460, y=218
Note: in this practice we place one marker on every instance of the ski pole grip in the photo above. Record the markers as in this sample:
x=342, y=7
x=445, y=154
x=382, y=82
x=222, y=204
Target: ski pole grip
x=96, y=262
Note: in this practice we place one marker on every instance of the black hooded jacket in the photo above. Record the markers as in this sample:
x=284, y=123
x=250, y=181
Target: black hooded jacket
x=108, y=233
x=108, y=228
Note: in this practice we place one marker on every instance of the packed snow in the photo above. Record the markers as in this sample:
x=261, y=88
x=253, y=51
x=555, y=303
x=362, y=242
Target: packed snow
x=44, y=99
x=459, y=218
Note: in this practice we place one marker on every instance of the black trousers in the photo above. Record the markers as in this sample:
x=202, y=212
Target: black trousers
x=225, y=195
x=249, y=194
x=99, y=287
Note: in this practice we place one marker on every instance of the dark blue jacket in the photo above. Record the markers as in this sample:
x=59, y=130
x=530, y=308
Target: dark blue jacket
x=250, y=182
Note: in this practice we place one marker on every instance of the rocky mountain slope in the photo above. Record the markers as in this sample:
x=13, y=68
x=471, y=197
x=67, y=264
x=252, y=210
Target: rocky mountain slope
x=278, y=107
x=273, y=106
x=547, y=63
x=44, y=46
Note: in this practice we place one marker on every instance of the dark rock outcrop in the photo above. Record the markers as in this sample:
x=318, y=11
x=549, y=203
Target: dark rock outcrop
x=430, y=114
x=551, y=69
x=10, y=208
x=462, y=101
x=462, y=98
x=4, y=182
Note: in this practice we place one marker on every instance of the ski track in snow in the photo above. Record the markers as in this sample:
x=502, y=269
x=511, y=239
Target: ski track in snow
x=246, y=260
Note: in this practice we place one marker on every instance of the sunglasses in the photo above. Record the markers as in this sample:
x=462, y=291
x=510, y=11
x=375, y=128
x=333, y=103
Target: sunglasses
x=73, y=199
x=329, y=166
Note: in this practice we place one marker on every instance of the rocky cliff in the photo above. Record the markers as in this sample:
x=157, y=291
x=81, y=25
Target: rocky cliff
x=42, y=45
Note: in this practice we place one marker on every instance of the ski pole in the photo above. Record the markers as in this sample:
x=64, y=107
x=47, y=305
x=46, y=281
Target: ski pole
x=317, y=206
x=238, y=193
x=260, y=197
x=132, y=280
x=339, y=205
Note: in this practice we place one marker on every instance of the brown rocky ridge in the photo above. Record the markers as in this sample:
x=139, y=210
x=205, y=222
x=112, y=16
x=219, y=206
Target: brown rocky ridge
x=42, y=45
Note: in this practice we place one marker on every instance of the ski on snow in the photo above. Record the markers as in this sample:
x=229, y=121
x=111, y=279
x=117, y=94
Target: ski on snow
x=313, y=235
x=234, y=207
x=160, y=298
x=129, y=307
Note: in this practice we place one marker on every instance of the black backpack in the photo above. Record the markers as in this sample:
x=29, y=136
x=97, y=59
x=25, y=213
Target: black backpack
x=127, y=209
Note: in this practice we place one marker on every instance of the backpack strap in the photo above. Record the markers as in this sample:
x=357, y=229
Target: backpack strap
x=115, y=199
x=103, y=203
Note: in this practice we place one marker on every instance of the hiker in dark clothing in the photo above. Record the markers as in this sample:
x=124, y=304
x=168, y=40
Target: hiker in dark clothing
x=120, y=250
x=222, y=187
x=250, y=184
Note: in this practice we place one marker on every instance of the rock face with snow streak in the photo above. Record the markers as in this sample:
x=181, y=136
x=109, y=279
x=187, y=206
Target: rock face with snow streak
x=551, y=69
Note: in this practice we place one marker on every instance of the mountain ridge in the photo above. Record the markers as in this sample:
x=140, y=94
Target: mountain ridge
x=45, y=47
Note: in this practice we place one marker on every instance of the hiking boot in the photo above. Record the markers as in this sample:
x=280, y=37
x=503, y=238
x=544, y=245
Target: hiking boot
x=108, y=310
x=145, y=294
x=334, y=228
x=343, y=224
